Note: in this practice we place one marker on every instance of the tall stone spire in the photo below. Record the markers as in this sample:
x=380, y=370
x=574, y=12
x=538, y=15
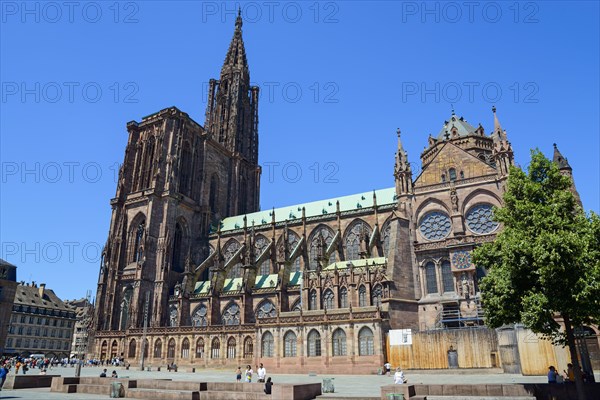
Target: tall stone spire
x=402, y=171
x=562, y=162
x=232, y=109
x=499, y=133
x=566, y=170
x=232, y=121
x=503, y=153
x=236, y=54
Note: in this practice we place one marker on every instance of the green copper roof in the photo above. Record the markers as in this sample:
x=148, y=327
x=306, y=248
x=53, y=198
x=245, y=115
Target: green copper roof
x=202, y=287
x=357, y=263
x=265, y=281
x=312, y=209
x=464, y=128
x=232, y=285
x=295, y=279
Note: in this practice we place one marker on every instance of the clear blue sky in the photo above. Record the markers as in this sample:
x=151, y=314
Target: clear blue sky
x=337, y=79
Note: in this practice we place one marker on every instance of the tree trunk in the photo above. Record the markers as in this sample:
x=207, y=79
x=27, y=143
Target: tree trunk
x=574, y=358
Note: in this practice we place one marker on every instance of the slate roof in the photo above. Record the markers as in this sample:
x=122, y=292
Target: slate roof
x=30, y=296
x=464, y=128
x=315, y=208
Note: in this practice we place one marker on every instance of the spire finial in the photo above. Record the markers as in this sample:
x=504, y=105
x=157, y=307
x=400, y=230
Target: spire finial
x=398, y=132
x=238, y=20
x=494, y=109
x=452, y=106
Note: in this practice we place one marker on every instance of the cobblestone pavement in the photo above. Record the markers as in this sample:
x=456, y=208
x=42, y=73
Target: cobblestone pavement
x=345, y=385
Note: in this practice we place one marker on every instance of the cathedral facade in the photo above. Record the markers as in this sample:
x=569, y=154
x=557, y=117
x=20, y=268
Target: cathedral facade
x=194, y=273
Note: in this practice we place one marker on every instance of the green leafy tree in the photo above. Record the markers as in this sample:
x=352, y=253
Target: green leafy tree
x=544, y=266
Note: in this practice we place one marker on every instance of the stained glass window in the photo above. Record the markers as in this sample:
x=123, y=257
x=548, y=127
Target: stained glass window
x=435, y=225
x=199, y=317
x=289, y=349
x=266, y=309
x=339, y=343
x=365, y=342
x=479, y=219
x=231, y=315
x=314, y=344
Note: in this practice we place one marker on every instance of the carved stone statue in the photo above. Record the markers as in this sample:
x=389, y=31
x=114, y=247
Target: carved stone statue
x=454, y=199
x=173, y=315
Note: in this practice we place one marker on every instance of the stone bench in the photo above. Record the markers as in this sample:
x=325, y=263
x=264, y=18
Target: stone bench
x=165, y=384
x=14, y=381
x=235, y=387
x=162, y=394
x=491, y=391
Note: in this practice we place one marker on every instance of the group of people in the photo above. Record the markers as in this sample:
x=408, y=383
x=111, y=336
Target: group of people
x=399, y=378
x=261, y=372
x=567, y=376
x=113, y=375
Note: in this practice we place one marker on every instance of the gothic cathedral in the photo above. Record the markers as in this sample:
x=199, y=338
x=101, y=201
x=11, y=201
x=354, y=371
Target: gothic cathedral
x=194, y=273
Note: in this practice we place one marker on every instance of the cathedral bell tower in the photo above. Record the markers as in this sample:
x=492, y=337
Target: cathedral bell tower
x=177, y=180
x=232, y=121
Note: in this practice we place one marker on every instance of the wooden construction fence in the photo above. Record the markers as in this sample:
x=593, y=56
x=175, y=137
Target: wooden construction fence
x=475, y=348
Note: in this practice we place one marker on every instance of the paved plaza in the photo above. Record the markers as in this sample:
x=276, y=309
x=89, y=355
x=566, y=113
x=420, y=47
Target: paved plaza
x=345, y=385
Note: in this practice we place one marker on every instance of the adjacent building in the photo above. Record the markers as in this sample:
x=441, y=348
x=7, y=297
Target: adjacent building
x=8, y=287
x=84, y=313
x=40, y=323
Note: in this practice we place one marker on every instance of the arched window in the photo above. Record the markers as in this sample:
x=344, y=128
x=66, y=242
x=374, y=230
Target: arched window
x=339, y=342
x=312, y=301
x=248, y=347
x=125, y=304
x=292, y=242
x=231, y=315
x=452, y=173
x=376, y=295
x=267, y=344
x=430, y=278
x=158, y=348
x=185, y=171
x=314, y=344
x=343, y=297
x=260, y=245
x=171, y=348
x=213, y=197
x=289, y=348
x=185, y=348
x=365, y=342
x=103, y=348
x=138, y=247
x=177, y=256
x=199, y=316
x=231, y=348
x=149, y=161
x=447, y=278
x=357, y=232
x=114, y=349
x=132, y=349
x=266, y=309
x=230, y=249
x=215, y=347
x=200, y=348
x=362, y=296
x=328, y=299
